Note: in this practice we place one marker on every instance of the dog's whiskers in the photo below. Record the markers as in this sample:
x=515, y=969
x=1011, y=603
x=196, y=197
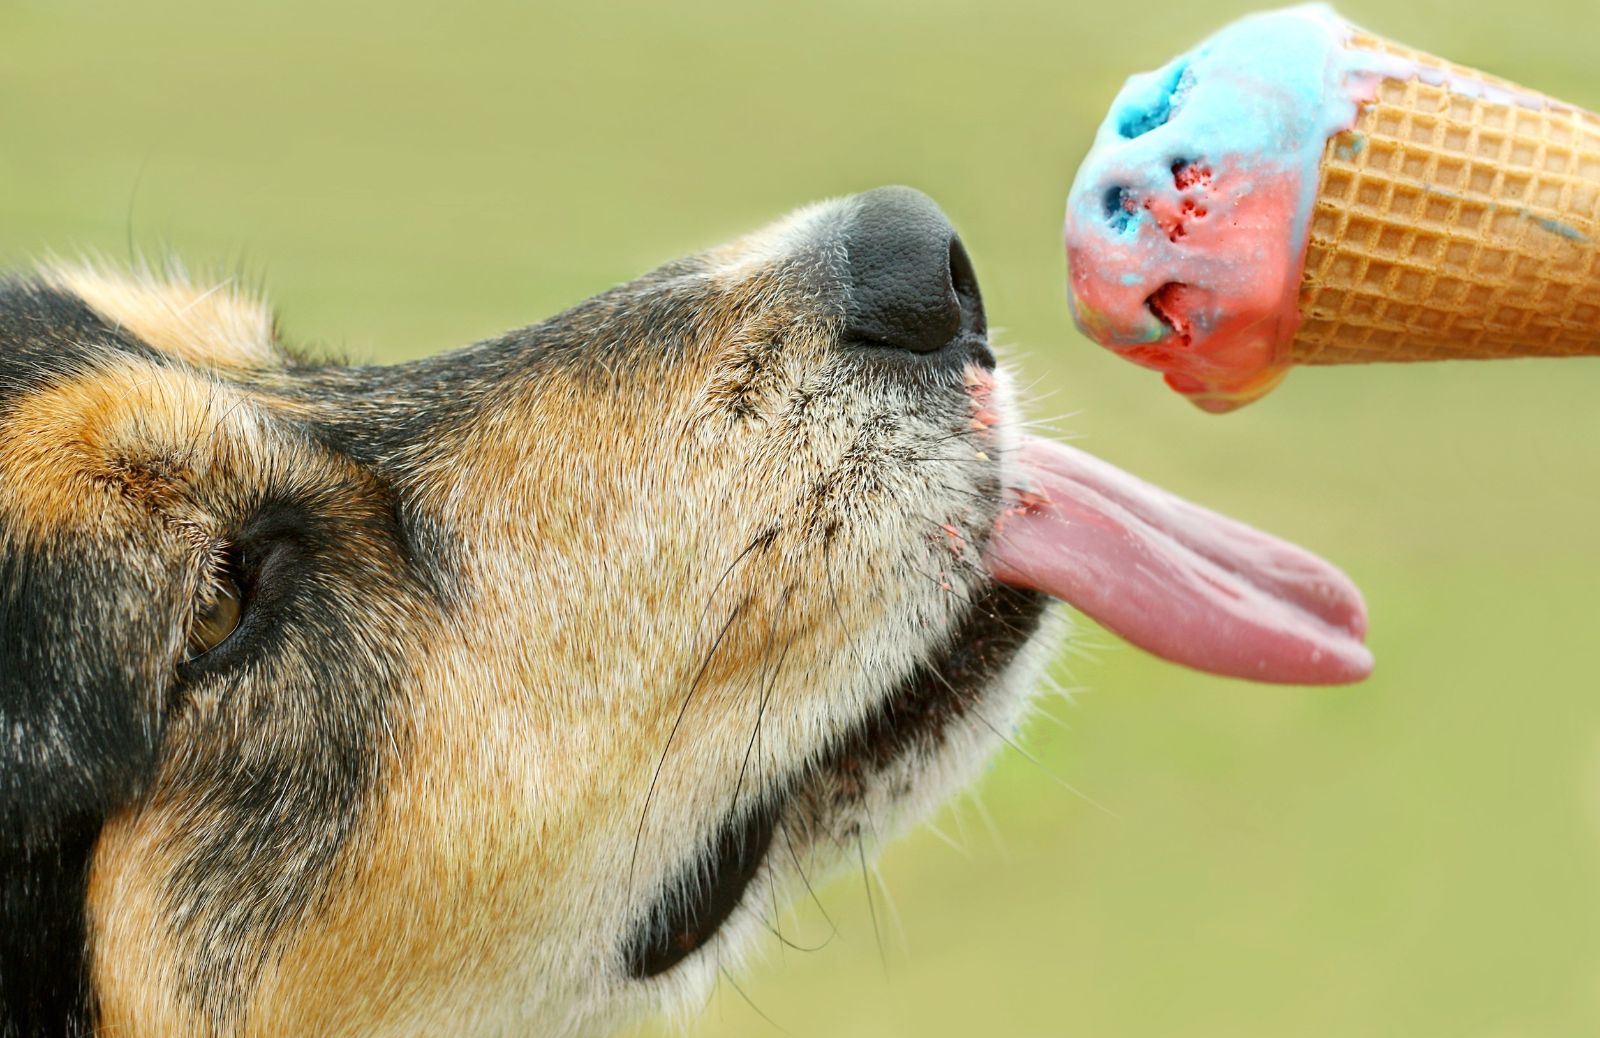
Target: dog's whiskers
x=683, y=709
x=872, y=908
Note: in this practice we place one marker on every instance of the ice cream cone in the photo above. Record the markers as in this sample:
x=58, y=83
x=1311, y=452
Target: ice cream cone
x=1296, y=191
x=1458, y=218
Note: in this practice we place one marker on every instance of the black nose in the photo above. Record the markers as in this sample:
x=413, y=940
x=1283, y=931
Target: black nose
x=911, y=285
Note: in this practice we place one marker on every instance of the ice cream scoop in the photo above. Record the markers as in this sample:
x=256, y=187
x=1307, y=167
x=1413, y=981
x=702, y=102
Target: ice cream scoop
x=1297, y=191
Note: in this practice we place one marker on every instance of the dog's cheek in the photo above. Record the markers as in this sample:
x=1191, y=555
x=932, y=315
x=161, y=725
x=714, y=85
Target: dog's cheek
x=137, y=956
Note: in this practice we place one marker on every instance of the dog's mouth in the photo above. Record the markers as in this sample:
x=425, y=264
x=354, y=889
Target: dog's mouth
x=1176, y=579
x=914, y=716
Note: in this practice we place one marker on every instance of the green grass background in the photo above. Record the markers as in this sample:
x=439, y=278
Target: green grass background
x=1418, y=855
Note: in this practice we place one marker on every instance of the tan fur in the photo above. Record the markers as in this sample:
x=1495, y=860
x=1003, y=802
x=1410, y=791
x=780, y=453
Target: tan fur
x=216, y=325
x=138, y=959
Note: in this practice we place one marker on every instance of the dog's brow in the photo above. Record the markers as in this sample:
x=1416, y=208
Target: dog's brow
x=112, y=427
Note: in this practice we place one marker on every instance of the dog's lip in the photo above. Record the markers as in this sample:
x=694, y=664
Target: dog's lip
x=1178, y=580
x=693, y=905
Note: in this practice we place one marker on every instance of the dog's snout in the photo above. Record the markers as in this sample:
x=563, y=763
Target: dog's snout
x=911, y=286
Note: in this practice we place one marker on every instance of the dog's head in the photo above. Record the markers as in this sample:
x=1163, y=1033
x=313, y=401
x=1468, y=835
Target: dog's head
x=498, y=689
x=488, y=687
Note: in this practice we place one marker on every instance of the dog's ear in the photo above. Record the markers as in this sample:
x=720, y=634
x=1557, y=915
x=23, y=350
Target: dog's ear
x=79, y=732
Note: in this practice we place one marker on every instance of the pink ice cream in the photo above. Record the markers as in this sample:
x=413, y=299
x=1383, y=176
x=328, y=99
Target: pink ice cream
x=1187, y=223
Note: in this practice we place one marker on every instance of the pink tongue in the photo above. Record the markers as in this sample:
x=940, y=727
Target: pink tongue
x=1175, y=579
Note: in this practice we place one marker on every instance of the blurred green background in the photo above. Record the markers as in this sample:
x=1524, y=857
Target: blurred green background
x=1418, y=855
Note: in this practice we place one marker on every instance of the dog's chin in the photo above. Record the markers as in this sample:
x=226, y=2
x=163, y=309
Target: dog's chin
x=924, y=735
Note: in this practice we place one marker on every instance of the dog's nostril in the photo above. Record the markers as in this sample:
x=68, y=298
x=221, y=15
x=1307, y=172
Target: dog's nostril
x=965, y=282
x=911, y=283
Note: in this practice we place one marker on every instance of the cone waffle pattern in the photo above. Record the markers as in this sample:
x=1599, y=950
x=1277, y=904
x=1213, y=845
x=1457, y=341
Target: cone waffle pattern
x=1449, y=226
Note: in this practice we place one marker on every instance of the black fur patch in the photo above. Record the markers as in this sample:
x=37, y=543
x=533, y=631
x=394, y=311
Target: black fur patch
x=47, y=336
x=44, y=989
x=79, y=730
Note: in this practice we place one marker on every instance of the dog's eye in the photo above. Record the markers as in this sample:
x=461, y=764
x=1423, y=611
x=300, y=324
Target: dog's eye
x=215, y=618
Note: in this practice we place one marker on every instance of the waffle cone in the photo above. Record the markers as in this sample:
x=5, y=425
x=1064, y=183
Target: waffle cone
x=1459, y=220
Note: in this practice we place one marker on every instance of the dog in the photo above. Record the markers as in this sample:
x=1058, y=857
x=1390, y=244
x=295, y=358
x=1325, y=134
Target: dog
x=495, y=692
